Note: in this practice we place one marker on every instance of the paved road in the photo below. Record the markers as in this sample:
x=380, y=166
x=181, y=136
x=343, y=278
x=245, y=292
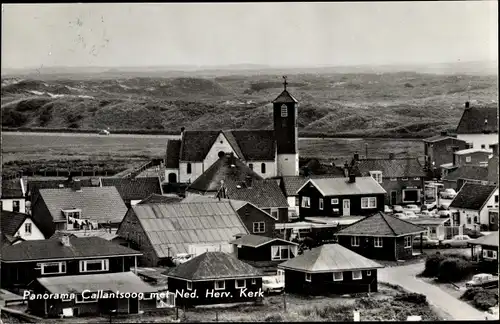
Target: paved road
x=404, y=276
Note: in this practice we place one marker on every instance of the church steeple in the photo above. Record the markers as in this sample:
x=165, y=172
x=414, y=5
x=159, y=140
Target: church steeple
x=285, y=97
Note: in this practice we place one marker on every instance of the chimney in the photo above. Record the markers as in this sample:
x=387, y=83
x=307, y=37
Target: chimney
x=248, y=181
x=444, y=133
x=352, y=178
x=467, y=105
x=391, y=156
x=65, y=240
x=182, y=131
x=77, y=186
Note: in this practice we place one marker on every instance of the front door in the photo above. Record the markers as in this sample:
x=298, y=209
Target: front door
x=394, y=197
x=133, y=305
x=346, y=207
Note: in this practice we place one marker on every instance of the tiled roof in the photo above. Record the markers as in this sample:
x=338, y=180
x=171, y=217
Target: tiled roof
x=214, y=266
x=292, y=184
x=472, y=196
x=473, y=120
x=439, y=138
x=172, y=154
x=226, y=168
x=251, y=145
x=329, y=258
x=114, y=282
x=471, y=150
x=81, y=247
x=285, y=97
x=134, y=188
x=257, y=240
x=342, y=186
x=468, y=172
x=381, y=224
x=392, y=168
x=489, y=240
x=56, y=184
x=98, y=204
x=171, y=228
x=262, y=193
x=10, y=221
x=161, y=199
x=12, y=189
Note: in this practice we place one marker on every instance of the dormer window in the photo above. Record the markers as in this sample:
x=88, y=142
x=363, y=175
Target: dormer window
x=284, y=111
x=73, y=213
x=377, y=175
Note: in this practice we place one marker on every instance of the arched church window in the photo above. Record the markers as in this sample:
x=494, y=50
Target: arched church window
x=188, y=168
x=263, y=168
x=284, y=111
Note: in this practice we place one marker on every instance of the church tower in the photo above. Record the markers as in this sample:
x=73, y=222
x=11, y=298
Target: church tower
x=286, y=132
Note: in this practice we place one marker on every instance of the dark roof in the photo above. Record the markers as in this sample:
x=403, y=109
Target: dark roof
x=81, y=247
x=258, y=240
x=55, y=184
x=160, y=199
x=98, y=204
x=329, y=258
x=488, y=240
x=250, y=145
x=214, y=266
x=468, y=172
x=262, y=193
x=473, y=120
x=226, y=168
x=134, y=188
x=381, y=224
x=12, y=189
x=171, y=228
x=392, y=168
x=291, y=184
x=472, y=196
x=341, y=186
x=285, y=97
x=173, y=154
x=10, y=221
x=439, y=138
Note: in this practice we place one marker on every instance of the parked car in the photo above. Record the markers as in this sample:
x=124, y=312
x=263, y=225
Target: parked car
x=426, y=242
x=397, y=209
x=448, y=193
x=484, y=280
x=408, y=214
x=426, y=213
x=413, y=208
x=271, y=284
x=399, y=215
x=387, y=209
x=457, y=241
x=104, y=132
x=444, y=214
x=182, y=258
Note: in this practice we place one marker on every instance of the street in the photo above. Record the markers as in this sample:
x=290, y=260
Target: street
x=405, y=276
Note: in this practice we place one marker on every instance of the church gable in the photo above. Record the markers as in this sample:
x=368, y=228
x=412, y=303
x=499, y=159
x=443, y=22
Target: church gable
x=221, y=144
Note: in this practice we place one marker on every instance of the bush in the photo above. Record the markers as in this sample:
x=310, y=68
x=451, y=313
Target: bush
x=470, y=293
x=481, y=298
x=453, y=269
x=432, y=263
x=414, y=298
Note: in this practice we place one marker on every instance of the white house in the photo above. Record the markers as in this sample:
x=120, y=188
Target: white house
x=472, y=206
x=13, y=196
x=16, y=226
x=478, y=127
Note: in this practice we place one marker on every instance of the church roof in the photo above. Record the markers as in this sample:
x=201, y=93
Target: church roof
x=285, y=97
x=476, y=120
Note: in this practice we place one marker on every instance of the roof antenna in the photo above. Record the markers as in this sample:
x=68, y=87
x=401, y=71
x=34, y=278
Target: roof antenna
x=284, y=81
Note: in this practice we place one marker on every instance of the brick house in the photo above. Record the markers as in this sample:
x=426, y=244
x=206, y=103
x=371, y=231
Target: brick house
x=439, y=149
x=381, y=237
x=471, y=157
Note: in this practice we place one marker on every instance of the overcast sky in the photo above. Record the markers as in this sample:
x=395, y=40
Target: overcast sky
x=37, y=35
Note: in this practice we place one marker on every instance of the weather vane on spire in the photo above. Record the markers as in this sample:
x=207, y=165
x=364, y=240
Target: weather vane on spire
x=284, y=81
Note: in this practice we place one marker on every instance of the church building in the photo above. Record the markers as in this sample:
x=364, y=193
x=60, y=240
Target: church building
x=269, y=153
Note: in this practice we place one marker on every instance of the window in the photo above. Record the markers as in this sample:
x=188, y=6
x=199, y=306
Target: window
x=416, y=178
x=468, y=158
x=404, y=179
x=188, y=168
x=94, y=265
x=284, y=111
x=355, y=241
x=274, y=213
x=475, y=220
x=241, y=283
x=338, y=276
x=483, y=146
x=250, y=166
x=335, y=201
x=297, y=201
x=87, y=299
x=263, y=168
x=254, y=281
x=259, y=227
x=283, y=252
x=394, y=179
x=377, y=175
x=308, y=277
x=15, y=206
x=320, y=203
x=368, y=202
x=72, y=213
x=377, y=242
x=368, y=273
x=27, y=228
x=489, y=254
x=356, y=275
x=53, y=267
x=469, y=220
x=496, y=199
x=407, y=242
x=189, y=285
x=306, y=202
x=220, y=285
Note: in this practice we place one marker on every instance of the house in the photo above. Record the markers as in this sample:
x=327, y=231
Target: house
x=28, y=260
x=161, y=231
x=381, y=237
x=478, y=126
x=269, y=152
x=402, y=178
x=215, y=278
x=472, y=205
x=91, y=294
x=493, y=166
x=77, y=207
x=435, y=227
x=466, y=173
x=330, y=269
x=161, y=199
x=19, y=225
x=485, y=249
x=358, y=196
x=263, y=252
x=472, y=156
x=13, y=196
x=133, y=190
x=439, y=150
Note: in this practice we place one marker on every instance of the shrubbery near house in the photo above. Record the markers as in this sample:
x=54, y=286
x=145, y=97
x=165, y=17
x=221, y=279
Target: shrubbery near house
x=447, y=268
x=481, y=298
